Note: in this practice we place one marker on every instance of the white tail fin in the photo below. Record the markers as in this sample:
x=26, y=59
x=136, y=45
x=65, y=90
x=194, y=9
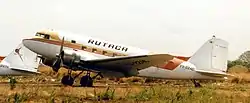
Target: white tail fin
x=212, y=56
x=19, y=61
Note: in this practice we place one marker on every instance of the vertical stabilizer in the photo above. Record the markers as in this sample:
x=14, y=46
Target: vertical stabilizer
x=212, y=56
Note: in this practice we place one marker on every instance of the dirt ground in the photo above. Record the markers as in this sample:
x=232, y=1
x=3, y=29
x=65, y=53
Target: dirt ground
x=50, y=91
x=46, y=88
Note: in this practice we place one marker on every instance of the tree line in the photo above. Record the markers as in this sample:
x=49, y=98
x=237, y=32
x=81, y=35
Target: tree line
x=243, y=60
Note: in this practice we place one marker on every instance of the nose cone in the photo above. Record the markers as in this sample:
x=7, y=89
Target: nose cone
x=42, y=47
x=33, y=45
x=28, y=44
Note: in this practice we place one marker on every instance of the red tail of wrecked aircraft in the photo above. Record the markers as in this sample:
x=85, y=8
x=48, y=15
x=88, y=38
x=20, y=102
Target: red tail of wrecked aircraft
x=1, y=58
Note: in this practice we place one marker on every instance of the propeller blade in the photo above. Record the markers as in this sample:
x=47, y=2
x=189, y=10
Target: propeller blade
x=58, y=62
x=61, y=49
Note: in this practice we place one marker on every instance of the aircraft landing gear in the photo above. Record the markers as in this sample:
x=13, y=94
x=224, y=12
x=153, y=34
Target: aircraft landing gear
x=68, y=79
x=87, y=80
x=196, y=84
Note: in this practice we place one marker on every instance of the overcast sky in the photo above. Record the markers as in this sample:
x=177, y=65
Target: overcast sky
x=169, y=26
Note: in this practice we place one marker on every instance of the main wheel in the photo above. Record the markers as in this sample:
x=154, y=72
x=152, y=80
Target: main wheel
x=67, y=80
x=86, y=81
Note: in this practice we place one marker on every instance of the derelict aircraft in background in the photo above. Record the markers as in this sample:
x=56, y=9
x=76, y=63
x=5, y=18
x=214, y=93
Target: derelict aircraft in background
x=16, y=64
x=107, y=59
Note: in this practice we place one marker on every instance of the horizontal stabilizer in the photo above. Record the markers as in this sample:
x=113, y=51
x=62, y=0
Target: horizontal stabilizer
x=214, y=73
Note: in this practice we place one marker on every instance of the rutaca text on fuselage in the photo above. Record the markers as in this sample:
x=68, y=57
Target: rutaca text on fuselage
x=104, y=44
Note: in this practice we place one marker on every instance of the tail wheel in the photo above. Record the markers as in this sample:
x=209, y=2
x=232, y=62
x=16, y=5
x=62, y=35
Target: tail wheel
x=67, y=80
x=86, y=81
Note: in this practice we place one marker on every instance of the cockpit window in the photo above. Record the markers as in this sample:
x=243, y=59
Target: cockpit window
x=45, y=36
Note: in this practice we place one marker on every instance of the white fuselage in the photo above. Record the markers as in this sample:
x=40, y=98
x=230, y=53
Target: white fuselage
x=50, y=50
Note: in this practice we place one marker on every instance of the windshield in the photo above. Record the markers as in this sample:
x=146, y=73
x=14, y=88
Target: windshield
x=45, y=36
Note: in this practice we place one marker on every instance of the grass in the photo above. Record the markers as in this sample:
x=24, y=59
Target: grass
x=211, y=93
x=46, y=88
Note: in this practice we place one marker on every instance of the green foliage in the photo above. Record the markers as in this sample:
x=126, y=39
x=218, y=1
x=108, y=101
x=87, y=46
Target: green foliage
x=144, y=95
x=17, y=98
x=12, y=82
x=245, y=57
x=244, y=60
x=237, y=62
x=109, y=94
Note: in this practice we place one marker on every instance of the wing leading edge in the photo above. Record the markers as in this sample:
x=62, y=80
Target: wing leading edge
x=128, y=65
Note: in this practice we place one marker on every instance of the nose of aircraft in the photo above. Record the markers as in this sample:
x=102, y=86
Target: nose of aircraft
x=26, y=43
x=38, y=46
x=30, y=44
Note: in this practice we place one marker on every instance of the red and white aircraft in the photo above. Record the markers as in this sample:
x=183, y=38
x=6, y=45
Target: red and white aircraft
x=84, y=53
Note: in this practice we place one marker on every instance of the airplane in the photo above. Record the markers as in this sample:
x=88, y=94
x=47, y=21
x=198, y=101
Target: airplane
x=20, y=62
x=107, y=59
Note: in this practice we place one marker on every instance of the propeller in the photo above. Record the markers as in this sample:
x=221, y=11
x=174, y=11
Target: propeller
x=57, y=64
x=40, y=59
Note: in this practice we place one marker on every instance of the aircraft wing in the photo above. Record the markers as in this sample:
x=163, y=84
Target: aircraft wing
x=21, y=61
x=215, y=73
x=129, y=64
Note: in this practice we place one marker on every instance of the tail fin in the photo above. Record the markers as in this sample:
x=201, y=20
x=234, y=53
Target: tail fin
x=21, y=60
x=1, y=58
x=212, y=56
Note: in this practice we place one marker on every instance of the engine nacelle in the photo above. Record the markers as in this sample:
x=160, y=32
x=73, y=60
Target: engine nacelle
x=71, y=58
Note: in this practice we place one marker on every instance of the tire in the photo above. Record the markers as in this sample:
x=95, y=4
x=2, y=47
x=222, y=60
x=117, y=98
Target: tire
x=67, y=80
x=86, y=81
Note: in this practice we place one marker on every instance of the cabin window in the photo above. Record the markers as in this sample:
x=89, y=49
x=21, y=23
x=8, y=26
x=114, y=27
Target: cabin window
x=84, y=48
x=104, y=52
x=94, y=50
x=73, y=41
